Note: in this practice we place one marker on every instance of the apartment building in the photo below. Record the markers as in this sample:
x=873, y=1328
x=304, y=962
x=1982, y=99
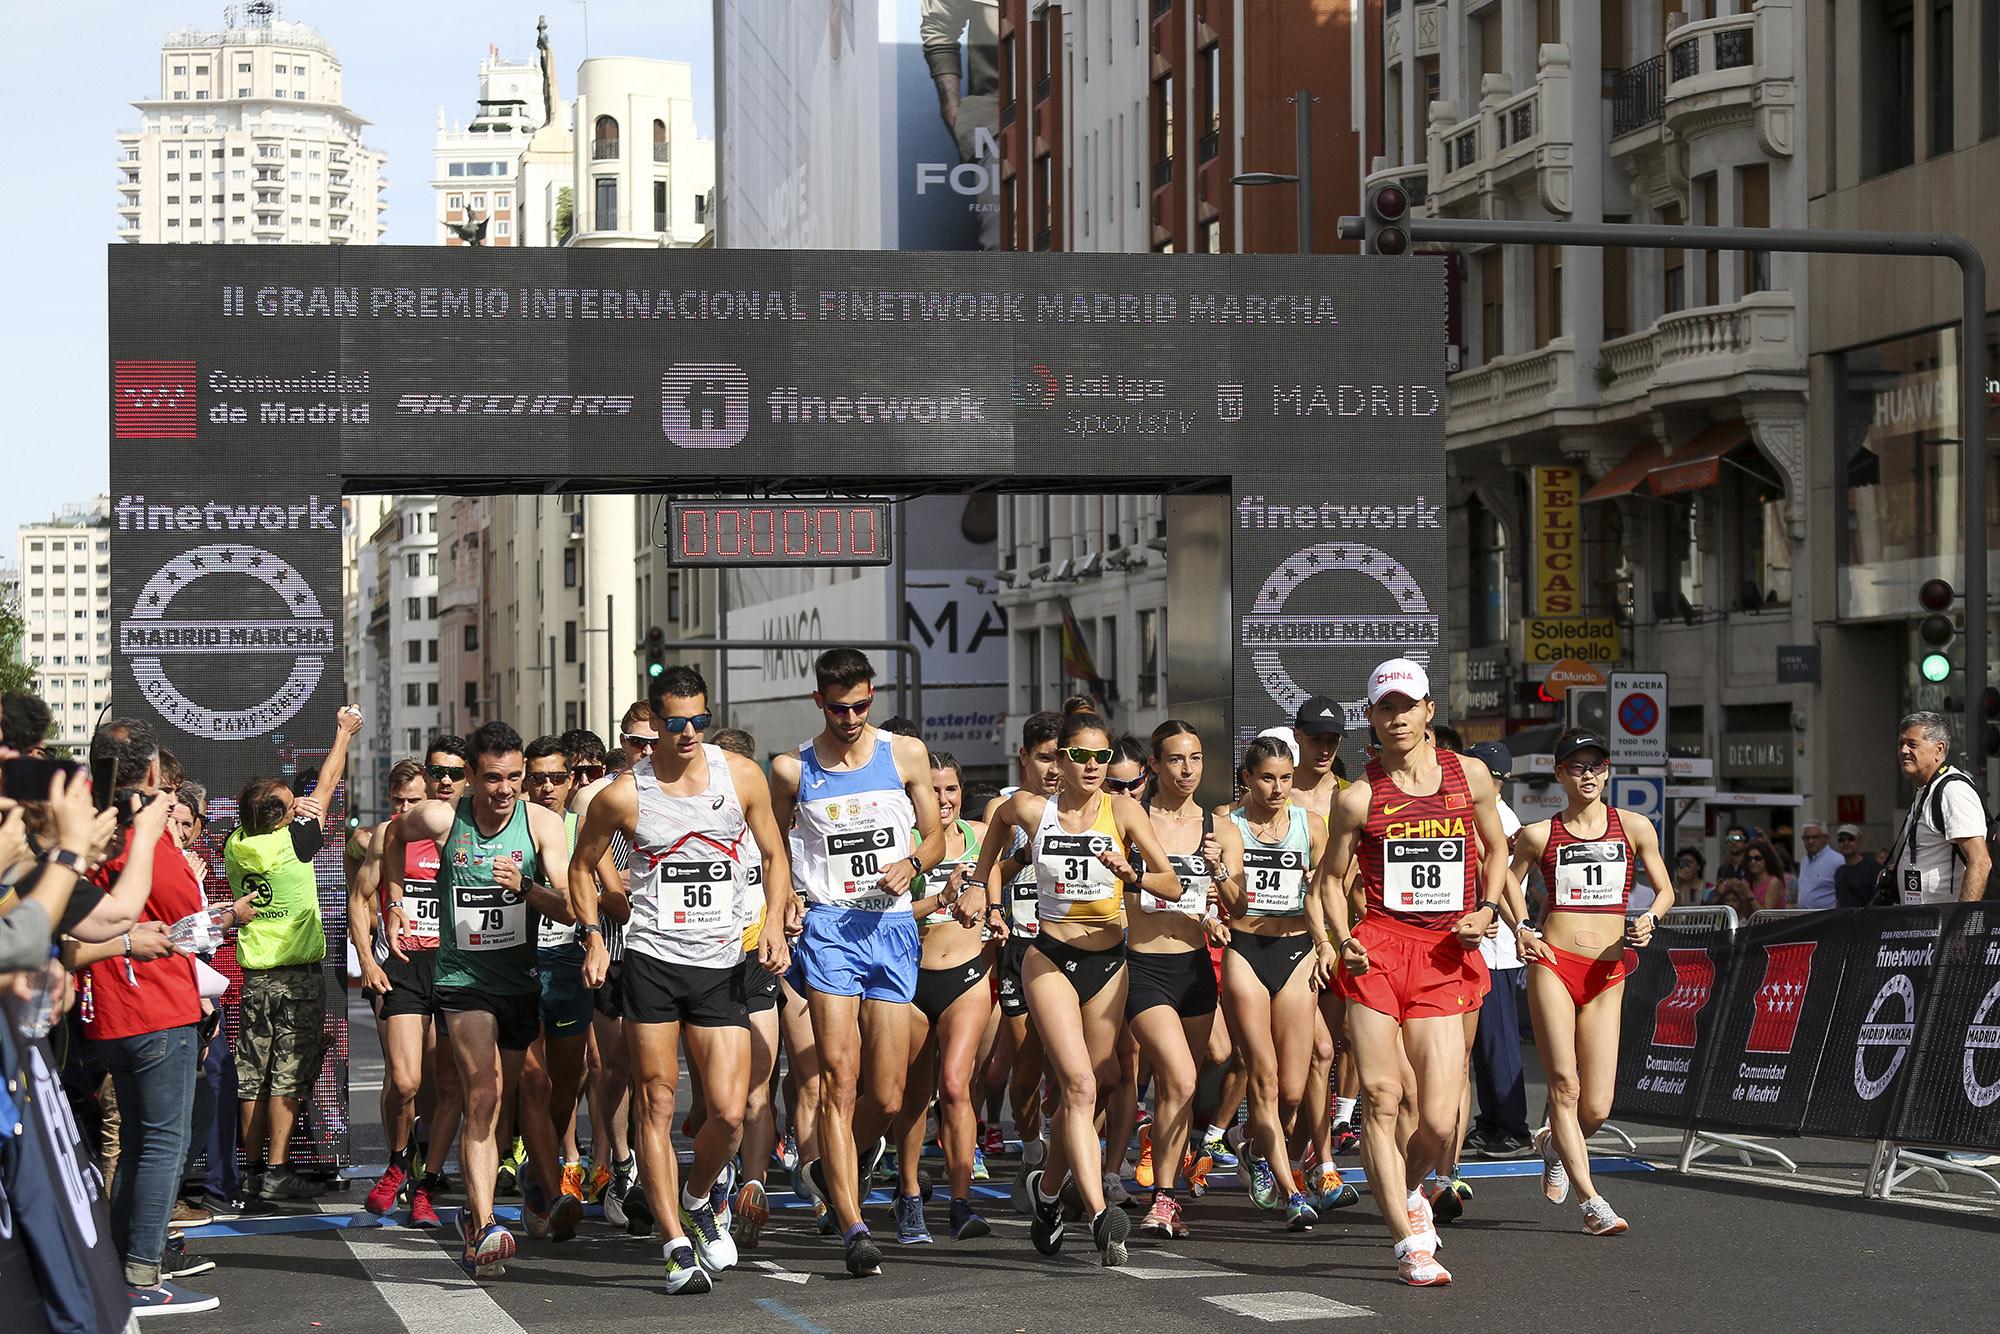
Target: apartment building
x=64, y=568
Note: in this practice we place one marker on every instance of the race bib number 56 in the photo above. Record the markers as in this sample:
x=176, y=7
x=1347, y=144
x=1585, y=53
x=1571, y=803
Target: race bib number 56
x=698, y=896
x=1423, y=875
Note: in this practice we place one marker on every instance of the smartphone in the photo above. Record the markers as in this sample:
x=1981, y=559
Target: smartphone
x=28, y=779
x=102, y=774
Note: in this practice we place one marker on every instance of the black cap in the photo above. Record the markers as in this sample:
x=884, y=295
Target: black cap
x=1320, y=715
x=1576, y=741
x=1495, y=757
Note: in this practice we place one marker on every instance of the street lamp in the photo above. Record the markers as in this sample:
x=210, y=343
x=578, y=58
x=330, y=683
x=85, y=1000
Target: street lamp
x=1302, y=101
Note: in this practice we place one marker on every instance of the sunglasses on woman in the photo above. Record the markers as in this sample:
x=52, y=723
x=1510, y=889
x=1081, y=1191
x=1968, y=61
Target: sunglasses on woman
x=1125, y=784
x=1087, y=755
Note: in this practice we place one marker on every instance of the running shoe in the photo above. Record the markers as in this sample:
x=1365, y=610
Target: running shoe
x=824, y=1219
x=564, y=1215
x=925, y=1185
x=1115, y=1193
x=871, y=1161
x=1262, y=1184
x=965, y=1224
x=788, y=1152
x=640, y=1221
x=1217, y=1149
x=1071, y=1196
x=573, y=1179
x=1163, y=1219
x=624, y=1180
x=1345, y=1140
x=509, y=1179
x=812, y=1180
x=1555, y=1177
x=1600, y=1219
x=752, y=1211
x=684, y=1271
x=1108, y=1232
x=711, y=1240
x=1143, y=1172
x=1417, y=1266
x=910, y=1227
x=1032, y=1154
x=888, y=1170
x=388, y=1190
x=187, y=1213
x=423, y=1208
x=722, y=1192
x=980, y=1171
x=1299, y=1215
x=600, y=1181
x=995, y=1142
x=178, y=1262
x=864, y=1257
x=486, y=1255
x=1194, y=1172
x=1046, y=1229
x=166, y=1298
x=1445, y=1204
x=535, y=1219
x=1460, y=1187
x=1332, y=1191
x=1423, y=1223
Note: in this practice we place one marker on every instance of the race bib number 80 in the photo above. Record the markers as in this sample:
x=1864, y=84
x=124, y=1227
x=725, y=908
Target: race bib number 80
x=1590, y=875
x=1423, y=875
x=855, y=860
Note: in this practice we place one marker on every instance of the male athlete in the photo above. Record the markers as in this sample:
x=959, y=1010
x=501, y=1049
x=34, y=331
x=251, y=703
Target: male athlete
x=1426, y=829
x=499, y=859
x=856, y=793
x=692, y=814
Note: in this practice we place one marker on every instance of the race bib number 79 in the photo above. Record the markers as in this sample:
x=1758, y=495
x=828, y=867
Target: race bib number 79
x=1423, y=875
x=490, y=918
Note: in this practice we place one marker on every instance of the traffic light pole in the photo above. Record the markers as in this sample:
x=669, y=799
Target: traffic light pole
x=1809, y=241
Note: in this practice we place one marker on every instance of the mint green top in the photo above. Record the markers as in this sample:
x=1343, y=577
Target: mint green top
x=486, y=936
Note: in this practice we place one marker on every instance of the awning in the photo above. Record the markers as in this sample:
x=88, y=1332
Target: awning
x=1630, y=473
x=1698, y=463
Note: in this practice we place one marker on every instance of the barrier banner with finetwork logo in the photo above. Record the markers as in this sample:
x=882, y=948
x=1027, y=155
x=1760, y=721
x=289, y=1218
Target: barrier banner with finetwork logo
x=1771, y=1032
x=1953, y=1093
x=1892, y=958
x=1672, y=992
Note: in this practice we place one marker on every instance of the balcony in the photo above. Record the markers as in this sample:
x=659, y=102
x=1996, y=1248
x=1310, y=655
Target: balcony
x=1736, y=71
x=603, y=150
x=1637, y=96
x=1706, y=352
x=1508, y=394
x=1512, y=136
x=1163, y=172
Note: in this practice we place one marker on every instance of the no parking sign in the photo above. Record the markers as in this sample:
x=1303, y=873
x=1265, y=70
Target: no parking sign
x=1639, y=718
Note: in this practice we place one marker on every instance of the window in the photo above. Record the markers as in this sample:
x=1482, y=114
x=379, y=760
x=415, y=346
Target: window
x=413, y=563
x=1711, y=260
x=1487, y=587
x=431, y=608
x=1763, y=543
x=659, y=206
x=1753, y=199
x=455, y=169
x=416, y=650
x=607, y=205
x=1211, y=100
x=413, y=694
x=1680, y=568
x=501, y=200
x=1208, y=238
x=569, y=567
x=1492, y=304
x=180, y=69
x=674, y=596
x=472, y=698
x=1045, y=189
x=604, y=139
x=243, y=67
x=472, y=638
x=1673, y=270
x=1943, y=105
x=1617, y=289
x=413, y=739
x=454, y=201
x=173, y=154
x=1548, y=294
x=503, y=228
x=1888, y=92
x=569, y=641
x=1163, y=129
x=431, y=564
x=431, y=694
x=479, y=201
x=431, y=650
x=413, y=608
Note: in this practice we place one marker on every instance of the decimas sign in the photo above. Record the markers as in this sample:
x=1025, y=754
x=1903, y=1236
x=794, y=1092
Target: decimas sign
x=777, y=533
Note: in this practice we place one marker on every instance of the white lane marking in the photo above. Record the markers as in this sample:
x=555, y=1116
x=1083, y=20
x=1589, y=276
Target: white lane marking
x=1277, y=1307
x=1141, y=1264
x=424, y=1287
x=772, y=1269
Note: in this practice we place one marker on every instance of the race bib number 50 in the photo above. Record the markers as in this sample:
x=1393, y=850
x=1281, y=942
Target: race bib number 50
x=420, y=909
x=1423, y=875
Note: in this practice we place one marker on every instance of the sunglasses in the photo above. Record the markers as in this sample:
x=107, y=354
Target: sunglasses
x=1087, y=755
x=699, y=722
x=1125, y=784
x=1842, y=838
x=637, y=741
x=854, y=710
x=453, y=772
x=1587, y=770
x=588, y=772
x=547, y=780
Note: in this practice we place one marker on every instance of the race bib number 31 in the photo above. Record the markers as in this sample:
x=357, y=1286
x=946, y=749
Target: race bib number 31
x=1423, y=875
x=490, y=918
x=1590, y=875
x=698, y=896
x=1071, y=860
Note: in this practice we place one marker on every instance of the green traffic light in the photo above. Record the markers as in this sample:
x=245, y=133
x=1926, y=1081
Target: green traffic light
x=655, y=668
x=1935, y=667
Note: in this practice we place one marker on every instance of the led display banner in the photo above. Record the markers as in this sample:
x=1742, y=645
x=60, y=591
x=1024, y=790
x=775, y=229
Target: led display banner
x=252, y=386
x=795, y=532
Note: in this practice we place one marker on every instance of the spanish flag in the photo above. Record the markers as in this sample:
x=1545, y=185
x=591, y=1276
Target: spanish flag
x=1077, y=661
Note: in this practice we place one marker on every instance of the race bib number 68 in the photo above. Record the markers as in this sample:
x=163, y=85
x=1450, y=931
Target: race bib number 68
x=1423, y=875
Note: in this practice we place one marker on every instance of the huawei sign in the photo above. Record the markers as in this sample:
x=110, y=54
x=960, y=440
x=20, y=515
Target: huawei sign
x=1779, y=1001
x=1694, y=981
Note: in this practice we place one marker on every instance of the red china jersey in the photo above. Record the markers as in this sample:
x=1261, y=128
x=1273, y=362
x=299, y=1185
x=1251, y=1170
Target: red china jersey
x=1588, y=874
x=1420, y=855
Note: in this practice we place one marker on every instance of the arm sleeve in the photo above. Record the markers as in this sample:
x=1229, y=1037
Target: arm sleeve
x=308, y=837
x=24, y=938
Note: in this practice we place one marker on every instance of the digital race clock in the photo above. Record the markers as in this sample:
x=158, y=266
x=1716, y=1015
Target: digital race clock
x=798, y=532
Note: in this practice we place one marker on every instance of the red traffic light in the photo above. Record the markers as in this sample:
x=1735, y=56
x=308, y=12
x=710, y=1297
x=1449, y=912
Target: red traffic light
x=1390, y=202
x=656, y=638
x=1989, y=701
x=1936, y=595
x=1936, y=631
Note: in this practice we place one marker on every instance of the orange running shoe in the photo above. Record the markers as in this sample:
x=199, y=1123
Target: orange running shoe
x=1143, y=1173
x=1417, y=1266
x=600, y=1181
x=1423, y=1223
x=1194, y=1173
x=572, y=1180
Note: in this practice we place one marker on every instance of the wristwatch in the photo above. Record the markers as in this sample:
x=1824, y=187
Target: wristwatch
x=1494, y=904
x=589, y=928
x=916, y=867
x=66, y=858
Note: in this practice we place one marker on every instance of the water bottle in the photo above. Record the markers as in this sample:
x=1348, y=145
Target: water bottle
x=200, y=932
x=36, y=1015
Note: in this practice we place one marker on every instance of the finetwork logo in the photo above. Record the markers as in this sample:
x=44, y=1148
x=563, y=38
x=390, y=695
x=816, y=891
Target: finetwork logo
x=153, y=400
x=705, y=405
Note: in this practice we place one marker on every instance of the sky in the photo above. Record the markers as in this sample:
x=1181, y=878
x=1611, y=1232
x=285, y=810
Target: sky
x=400, y=62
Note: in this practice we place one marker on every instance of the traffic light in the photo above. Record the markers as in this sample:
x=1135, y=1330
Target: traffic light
x=1384, y=229
x=656, y=653
x=353, y=820
x=1989, y=705
x=1936, y=631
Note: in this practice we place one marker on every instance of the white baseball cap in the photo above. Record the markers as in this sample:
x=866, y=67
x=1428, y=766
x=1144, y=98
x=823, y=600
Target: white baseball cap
x=1398, y=676
x=1286, y=735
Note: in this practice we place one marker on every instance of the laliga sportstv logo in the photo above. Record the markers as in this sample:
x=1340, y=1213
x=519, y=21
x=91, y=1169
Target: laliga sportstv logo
x=1042, y=385
x=303, y=633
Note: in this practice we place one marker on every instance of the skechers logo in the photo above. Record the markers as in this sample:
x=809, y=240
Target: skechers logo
x=514, y=405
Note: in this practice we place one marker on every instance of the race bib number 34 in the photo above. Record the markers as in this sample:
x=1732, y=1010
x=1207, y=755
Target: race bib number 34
x=1423, y=875
x=698, y=896
x=490, y=918
x=1274, y=881
x=1590, y=875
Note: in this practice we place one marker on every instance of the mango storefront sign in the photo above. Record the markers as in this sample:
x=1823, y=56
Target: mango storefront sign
x=1558, y=542
x=1547, y=640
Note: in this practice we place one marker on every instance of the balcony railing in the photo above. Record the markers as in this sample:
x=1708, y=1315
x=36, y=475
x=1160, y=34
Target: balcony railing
x=1734, y=70
x=1045, y=238
x=660, y=153
x=603, y=150
x=1211, y=145
x=1163, y=172
x=1758, y=334
x=1511, y=133
x=1042, y=86
x=1686, y=57
x=1636, y=96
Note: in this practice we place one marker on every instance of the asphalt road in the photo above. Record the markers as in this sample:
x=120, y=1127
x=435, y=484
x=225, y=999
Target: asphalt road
x=1723, y=1247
